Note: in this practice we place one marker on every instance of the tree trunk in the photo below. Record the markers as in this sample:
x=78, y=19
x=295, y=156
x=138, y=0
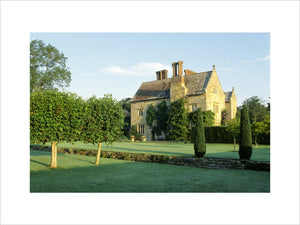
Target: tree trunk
x=98, y=154
x=53, y=154
x=256, y=144
x=234, y=144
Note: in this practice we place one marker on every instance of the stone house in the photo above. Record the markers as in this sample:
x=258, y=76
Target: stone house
x=202, y=90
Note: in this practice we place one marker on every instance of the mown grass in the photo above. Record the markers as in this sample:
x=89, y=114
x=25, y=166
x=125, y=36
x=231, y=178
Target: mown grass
x=76, y=173
x=262, y=153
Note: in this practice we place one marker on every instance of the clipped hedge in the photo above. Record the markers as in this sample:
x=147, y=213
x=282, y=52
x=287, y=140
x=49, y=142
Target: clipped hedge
x=219, y=134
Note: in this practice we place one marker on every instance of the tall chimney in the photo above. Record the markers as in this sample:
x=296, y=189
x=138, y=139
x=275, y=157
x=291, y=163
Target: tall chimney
x=180, y=68
x=177, y=68
x=174, y=69
x=164, y=74
x=158, y=75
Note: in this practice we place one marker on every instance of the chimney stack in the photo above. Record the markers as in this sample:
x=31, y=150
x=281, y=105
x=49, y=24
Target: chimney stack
x=177, y=68
x=162, y=75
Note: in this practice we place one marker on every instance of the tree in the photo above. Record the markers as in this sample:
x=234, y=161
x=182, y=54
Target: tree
x=150, y=117
x=233, y=127
x=126, y=106
x=256, y=109
x=225, y=117
x=54, y=117
x=208, y=117
x=199, y=136
x=178, y=121
x=245, y=149
x=162, y=117
x=48, y=69
x=103, y=122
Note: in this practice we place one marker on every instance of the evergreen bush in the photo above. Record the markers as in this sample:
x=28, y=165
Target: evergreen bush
x=245, y=141
x=199, y=135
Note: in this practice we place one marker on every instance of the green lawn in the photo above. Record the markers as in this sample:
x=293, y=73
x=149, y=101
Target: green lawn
x=76, y=173
x=262, y=153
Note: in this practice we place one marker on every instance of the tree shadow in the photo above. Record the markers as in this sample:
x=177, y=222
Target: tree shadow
x=75, y=158
x=43, y=164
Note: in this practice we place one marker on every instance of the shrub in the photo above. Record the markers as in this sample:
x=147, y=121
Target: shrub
x=245, y=150
x=199, y=136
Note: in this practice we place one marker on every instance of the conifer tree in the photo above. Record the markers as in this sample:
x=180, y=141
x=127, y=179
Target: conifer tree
x=245, y=150
x=199, y=136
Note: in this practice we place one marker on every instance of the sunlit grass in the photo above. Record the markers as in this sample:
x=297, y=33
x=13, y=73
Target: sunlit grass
x=76, y=173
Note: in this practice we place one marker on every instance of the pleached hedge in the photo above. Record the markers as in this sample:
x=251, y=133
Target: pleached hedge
x=219, y=134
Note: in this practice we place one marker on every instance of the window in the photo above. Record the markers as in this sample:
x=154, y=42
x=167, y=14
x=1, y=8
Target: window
x=140, y=129
x=193, y=107
x=140, y=112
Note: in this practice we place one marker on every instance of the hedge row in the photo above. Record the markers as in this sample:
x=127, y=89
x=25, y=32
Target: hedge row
x=212, y=163
x=221, y=135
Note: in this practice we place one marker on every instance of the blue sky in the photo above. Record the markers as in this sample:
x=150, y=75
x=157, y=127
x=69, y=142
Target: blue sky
x=117, y=63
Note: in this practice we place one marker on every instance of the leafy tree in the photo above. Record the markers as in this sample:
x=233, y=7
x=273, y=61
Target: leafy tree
x=233, y=127
x=48, y=69
x=150, y=117
x=126, y=106
x=54, y=117
x=225, y=117
x=103, y=122
x=256, y=109
x=199, y=136
x=162, y=117
x=208, y=117
x=245, y=150
x=178, y=121
x=258, y=128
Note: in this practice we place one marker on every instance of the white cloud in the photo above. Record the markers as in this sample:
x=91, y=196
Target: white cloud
x=266, y=58
x=141, y=69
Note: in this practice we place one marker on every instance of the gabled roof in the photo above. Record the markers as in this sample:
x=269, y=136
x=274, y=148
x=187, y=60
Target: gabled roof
x=228, y=95
x=160, y=89
x=157, y=89
x=196, y=83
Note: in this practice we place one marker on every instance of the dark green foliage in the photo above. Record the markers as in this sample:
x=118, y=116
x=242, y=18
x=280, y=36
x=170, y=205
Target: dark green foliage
x=162, y=117
x=225, y=117
x=199, y=136
x=245, y=150
x=150, y=117
x=48, y=69
x=55, y=116
x=126, y=106
x=256, y=109
x=208, y=117
x=178, y=121
x=218, y=134
x=103, y=120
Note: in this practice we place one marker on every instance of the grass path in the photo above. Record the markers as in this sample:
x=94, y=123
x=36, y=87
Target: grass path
x=77, y=173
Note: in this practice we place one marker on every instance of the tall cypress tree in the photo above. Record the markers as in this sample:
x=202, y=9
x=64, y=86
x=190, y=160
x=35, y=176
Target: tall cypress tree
x=199, y=136
x=245, y=150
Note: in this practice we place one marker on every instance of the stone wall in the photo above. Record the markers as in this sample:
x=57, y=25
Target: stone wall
x=210, y=163
x=141, y=120
x=215, y=98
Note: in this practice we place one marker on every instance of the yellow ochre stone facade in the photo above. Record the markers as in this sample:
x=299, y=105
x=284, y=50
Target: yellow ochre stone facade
x=201, y=90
